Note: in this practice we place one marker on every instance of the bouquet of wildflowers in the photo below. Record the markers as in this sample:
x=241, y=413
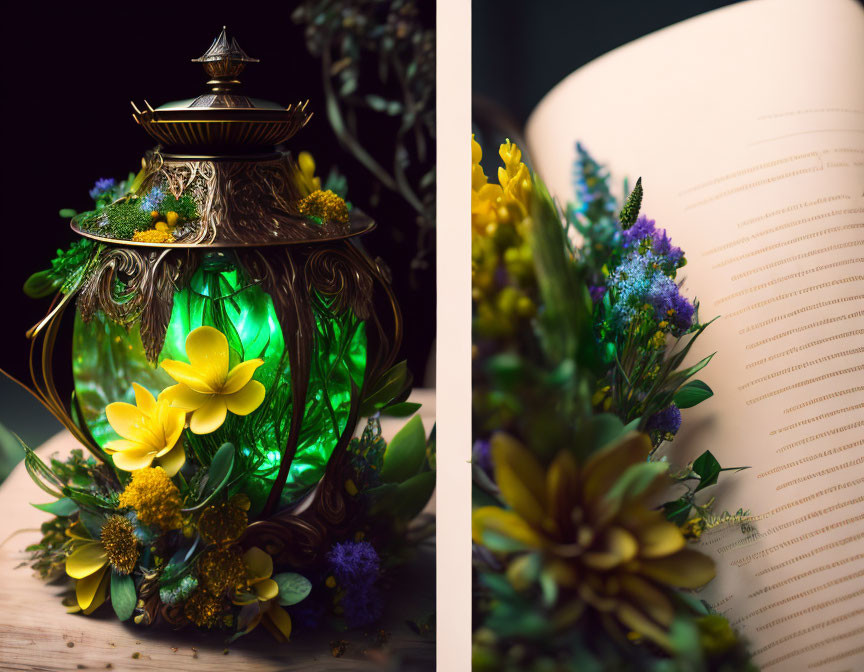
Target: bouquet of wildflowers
x=585, y=539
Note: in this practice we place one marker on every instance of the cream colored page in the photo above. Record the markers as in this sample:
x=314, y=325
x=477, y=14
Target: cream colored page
x=747, y=128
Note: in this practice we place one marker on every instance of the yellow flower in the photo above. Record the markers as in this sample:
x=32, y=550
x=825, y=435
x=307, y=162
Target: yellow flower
x=508, y=202
x=592, y=526
x=206, y=387
x=153, y=236
x=154, y=497
x=258, y=597
x=304, y=174
x=117, y=547
x=326, y=205
x=151, y=431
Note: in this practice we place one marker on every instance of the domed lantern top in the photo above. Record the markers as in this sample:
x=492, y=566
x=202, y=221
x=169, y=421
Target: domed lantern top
x=226, y=181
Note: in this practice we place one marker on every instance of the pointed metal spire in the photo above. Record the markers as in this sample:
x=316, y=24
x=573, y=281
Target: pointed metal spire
x=224, y=50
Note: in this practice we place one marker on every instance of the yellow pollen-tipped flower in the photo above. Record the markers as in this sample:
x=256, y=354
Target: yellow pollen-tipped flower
x=203, y=609
x=325, y=205
x=155, y=499
x=206, y=386
x=153, y=236
x=90, y=559
x=151, y=431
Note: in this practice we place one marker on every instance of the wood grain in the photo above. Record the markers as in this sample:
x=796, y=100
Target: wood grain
x=36, y=633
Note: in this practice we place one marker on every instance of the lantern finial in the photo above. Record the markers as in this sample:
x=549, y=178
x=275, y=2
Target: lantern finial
x=223, y=62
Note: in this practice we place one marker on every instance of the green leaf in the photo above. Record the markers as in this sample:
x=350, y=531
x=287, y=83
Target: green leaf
x=68, y=213
x=92, y=522
x=401, y=410
x=708, y=469
x=218, y=474
x=413, y=495
x=293, y=588
x=123, y=597
x=385, y=389
x=635, y=480
x=406, y=452
x=64, y=507
x=678, y=511
x=694, y=392
x=41, y=284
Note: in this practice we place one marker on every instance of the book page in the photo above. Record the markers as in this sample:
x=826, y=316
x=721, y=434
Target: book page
x=747, y=127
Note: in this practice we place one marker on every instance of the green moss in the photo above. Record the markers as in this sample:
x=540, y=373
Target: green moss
x=125, y=218
x=184, y=206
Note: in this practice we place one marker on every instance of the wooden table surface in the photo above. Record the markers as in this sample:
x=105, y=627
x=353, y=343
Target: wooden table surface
x=36, y=633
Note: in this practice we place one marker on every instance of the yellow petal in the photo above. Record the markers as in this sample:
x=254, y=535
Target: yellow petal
x=87, y=587
x=144, y=400
x=210, y=416
x=134, y=459
x=207, y=350
x=197, y=379
x=520, y=478
x=122, y=445
x=246, y=400
x=184, y=397
x=636, y=620
x=85, y=560
x=266, y=589
x=685, y=569
x=648, y=598
x=660, y=539
x=280, y=620
x=125, y=419
x=604, y=466
x=503, y=523
x=173, y=460
x=240, y=375
x=562, y=487
x=171, y=422
x=101, y=593
x=616, y=547
x=258, y=563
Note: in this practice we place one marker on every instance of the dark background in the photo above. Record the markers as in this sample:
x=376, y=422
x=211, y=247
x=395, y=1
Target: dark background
x=72, y=70
x=521, y=50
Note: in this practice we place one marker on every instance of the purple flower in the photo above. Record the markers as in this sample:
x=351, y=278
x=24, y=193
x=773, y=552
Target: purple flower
x=101, y=187
x=597, y=293
x=354, y=563
x=641, y=229
x=663, y=247
x=362, y=605
x=153, y=199
x=666, y=421
x=481, y=455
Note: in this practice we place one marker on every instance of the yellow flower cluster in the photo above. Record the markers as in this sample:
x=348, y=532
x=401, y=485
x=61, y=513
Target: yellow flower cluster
x=500, y=220
x=325, y=205
x=207, y=389
x=152, y=236
x=155, y=499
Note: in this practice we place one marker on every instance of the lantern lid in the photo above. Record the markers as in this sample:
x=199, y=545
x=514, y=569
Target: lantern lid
x=224, y=119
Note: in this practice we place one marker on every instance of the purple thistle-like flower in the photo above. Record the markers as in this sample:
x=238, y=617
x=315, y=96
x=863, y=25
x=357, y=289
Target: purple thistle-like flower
x=666, y=421
x=354, y=563
x=102, y=186
x=663, y=247
x=362, y=605
x=643, y=228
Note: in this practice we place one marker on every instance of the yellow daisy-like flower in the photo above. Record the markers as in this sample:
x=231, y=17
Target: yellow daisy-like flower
x=206, y=386
x=594, y=529
x=151, y=431
x=258, y=595
x=90, y=560
x=154, y=497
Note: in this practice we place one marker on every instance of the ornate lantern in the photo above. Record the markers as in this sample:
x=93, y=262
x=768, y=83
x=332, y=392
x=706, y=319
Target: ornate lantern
x=220, y=229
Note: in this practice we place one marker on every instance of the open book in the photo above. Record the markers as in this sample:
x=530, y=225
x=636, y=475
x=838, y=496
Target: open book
x=747, y=127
